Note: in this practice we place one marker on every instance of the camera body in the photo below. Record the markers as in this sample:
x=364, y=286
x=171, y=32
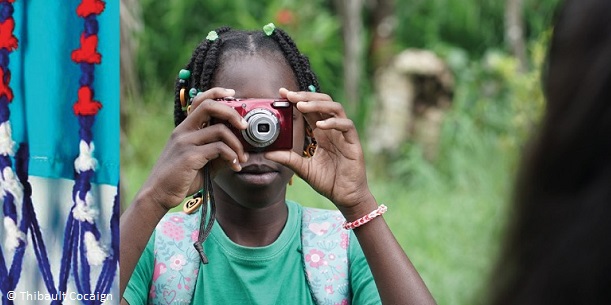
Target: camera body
x=270, y=123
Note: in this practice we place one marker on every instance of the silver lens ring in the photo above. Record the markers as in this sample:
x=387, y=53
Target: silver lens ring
x=263, y=127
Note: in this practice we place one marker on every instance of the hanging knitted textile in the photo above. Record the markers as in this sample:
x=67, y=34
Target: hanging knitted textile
x=58, y=191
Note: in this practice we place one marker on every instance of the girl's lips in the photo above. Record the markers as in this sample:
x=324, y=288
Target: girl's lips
x=258, y=174
x=258, y=178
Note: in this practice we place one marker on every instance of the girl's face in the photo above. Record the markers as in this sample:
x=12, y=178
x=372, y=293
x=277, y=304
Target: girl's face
x=261, y=182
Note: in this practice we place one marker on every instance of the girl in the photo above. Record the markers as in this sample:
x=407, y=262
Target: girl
x=255, y=253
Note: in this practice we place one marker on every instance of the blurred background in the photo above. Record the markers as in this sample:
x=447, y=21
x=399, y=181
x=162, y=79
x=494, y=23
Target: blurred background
x=444, y=93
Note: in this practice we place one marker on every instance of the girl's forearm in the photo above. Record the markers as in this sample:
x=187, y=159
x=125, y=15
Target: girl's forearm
x=137, y=225
x=397, y=280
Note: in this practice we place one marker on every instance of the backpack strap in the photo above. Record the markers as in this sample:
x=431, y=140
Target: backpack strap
x=325, y=256
x=176, y=260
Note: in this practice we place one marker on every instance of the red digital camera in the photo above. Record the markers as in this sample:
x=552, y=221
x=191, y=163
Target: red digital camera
x=270, y=123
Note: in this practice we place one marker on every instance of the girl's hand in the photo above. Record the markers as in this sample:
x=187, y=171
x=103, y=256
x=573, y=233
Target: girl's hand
x=192, y=145
x=337, y=169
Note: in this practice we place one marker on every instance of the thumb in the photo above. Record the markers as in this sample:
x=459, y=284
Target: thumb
x=289, y=159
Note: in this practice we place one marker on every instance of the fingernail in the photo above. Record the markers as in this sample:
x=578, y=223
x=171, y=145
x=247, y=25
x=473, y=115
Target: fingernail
x=236, y=166
x=246, y=155
x=244, y=122
x=230, y=90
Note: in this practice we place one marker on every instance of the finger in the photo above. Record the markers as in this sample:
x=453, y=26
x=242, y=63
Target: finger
x=216, y=150
x=290, y=159
x=219, y=132
x=299, y=96
x=211, y=94
x=208, y=109
x=346, y=126
x=325, y=108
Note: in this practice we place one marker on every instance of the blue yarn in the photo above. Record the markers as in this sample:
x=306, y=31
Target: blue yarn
x=64, y=271
x=40, y=250
x=82, y=184
x=21, y=165
x=3, y=277
x=91, y=25
x=74, y=258
x=9, y=206
x=6, y=11
x=86, y=122
x=7, y=76
x=5, y=112
x=5, y=161
x=4, y=60
x=87, y=75
x=110, y=265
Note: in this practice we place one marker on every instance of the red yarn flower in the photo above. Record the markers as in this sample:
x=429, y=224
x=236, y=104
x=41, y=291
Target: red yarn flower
x=4, y=88
x=88, y=7
x=87, y=52
x=7, y=39
x=85, y=104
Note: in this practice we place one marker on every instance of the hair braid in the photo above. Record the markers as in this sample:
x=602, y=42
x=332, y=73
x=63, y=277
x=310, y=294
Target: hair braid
x=195, y=65
x=305, y=77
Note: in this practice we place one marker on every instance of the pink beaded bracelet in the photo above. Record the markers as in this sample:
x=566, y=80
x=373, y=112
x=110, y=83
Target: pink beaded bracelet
x=365, y=219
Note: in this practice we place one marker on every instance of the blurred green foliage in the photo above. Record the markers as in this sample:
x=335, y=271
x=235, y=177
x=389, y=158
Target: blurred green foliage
x=174, y=28
x=448, y=215
x=475, y=25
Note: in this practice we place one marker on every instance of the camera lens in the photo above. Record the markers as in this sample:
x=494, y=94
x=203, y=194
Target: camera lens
x=263, y=127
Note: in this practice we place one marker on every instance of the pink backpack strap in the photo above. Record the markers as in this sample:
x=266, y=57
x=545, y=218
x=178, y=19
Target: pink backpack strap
x=325, y=256
x=176, y=260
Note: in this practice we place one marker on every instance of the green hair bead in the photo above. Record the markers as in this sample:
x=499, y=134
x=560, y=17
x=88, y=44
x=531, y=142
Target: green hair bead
x=269, y=29
x=312, y=88
x=212, y=36
x=192, y=92
x=184, y=74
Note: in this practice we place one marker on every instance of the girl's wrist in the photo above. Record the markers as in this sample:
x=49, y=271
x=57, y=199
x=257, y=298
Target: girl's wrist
x=150, y=200
x=360, y=209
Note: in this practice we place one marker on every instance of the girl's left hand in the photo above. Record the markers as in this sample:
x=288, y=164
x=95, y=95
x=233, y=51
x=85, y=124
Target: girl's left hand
x=337, y=169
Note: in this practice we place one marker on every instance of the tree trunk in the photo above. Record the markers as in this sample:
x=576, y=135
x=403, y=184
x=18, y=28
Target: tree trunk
x=352, y=30
x=514, y=31
x=383, y=25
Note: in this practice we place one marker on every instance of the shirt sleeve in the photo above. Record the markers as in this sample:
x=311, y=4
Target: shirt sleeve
x=137, y=290
x=364, y=290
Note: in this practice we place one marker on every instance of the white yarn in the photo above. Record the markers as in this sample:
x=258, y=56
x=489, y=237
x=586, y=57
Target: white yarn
x=82, y=210
x=7, y=145
x=95, y=253
x=9, y=183
x=85, y=161
x=13, y=234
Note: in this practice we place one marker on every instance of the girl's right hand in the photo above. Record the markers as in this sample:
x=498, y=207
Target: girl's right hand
x=192, y=145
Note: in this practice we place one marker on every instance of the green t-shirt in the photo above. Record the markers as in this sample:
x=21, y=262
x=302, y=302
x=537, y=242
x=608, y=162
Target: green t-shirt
x=273, y=274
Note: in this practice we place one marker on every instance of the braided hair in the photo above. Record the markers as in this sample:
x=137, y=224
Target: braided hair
x=204, y=61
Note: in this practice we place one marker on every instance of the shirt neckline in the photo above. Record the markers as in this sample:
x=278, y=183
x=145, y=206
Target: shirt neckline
x=269, y=252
